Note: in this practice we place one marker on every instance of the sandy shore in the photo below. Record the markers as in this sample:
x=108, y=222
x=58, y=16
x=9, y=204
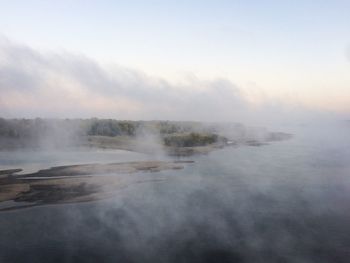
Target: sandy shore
x=75, y=183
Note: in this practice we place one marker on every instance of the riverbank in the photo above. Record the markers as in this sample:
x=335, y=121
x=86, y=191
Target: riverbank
x=75, y=183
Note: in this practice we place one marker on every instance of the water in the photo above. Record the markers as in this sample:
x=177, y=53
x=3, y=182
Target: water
x=285, y=202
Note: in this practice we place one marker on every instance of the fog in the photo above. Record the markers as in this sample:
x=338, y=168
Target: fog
x=282, y=202
x=63, y=84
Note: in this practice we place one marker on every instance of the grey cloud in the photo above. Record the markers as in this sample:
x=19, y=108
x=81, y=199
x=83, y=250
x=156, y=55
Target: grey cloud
x=73, y=85
x=25, y=70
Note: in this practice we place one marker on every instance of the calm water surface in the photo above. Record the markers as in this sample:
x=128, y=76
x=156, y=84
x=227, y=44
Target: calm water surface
x=285, y=202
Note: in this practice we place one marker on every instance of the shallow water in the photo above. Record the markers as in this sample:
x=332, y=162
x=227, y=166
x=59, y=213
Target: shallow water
x=32, y=161
x=285, y=202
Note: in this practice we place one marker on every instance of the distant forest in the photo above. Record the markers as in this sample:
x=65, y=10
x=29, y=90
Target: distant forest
x=29, y=128
x=31, y=132
x=62, y=133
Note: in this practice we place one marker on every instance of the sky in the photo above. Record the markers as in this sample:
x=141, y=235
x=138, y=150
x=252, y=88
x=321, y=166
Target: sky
x=174, y=59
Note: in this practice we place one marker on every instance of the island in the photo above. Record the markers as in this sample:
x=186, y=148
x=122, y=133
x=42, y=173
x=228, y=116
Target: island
x=75, y=183
x=173, y=138
x=176, y=141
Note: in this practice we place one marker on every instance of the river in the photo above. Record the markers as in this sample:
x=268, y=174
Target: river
x=284, y=202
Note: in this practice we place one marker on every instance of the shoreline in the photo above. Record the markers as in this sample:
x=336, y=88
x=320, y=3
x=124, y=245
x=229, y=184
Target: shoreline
x=76, y=183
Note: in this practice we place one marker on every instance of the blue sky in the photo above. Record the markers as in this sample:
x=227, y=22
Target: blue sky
x=294, y=51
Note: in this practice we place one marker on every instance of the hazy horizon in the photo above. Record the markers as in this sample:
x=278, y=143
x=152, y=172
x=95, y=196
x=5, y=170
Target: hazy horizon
x=205, y=61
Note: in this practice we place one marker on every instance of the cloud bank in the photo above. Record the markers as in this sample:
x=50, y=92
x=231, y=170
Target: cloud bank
x=66, y=85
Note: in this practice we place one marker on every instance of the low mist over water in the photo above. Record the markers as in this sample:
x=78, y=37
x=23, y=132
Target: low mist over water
x=283, y=202
x=174, y=131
